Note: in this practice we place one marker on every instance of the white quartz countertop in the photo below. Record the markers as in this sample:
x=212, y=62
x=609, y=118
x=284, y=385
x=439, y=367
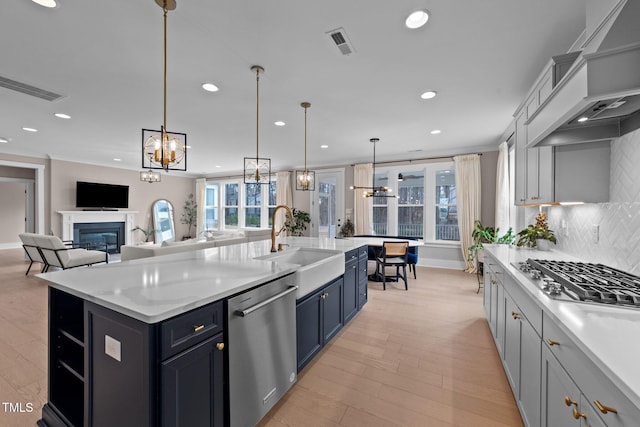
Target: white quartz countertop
x=157, y=288
x=608, y=335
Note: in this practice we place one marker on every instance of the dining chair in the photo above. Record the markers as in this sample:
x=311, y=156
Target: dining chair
x=393, y=254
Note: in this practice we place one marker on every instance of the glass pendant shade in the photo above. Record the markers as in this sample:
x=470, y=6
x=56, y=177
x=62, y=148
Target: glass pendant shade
x=150, y=176
x=257, y=170
x=305, y=180
x=162, y=149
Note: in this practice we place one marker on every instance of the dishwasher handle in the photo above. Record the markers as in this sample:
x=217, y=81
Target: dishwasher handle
x=246, y=312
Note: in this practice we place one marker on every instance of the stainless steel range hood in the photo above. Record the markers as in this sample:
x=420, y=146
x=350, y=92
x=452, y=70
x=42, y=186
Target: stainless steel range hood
x=599, y=97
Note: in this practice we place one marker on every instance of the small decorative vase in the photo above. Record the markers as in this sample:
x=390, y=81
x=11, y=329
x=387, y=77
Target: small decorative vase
x=543, y=245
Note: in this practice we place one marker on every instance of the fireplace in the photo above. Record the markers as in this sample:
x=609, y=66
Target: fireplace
x=94, y=235
x=71, y=218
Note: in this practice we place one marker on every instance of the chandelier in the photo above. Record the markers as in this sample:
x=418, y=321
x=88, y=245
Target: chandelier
x=257, y=170
x=162, y=149
x=305, y=179
x=374, y=191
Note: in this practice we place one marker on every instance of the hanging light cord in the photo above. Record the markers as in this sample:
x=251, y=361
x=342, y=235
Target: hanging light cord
x=165, y=69
x=257, y=108
x=305, y=137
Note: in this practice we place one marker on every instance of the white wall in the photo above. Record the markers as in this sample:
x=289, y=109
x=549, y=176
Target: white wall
x=12, y=213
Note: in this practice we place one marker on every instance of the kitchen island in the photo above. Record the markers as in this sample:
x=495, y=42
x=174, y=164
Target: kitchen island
x=124, y=337
x=568, y=362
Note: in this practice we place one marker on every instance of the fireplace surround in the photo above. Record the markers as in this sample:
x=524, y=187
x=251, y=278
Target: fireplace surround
x=127, y=218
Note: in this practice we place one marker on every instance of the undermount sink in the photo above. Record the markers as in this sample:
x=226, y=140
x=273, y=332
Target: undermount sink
x=317, y=266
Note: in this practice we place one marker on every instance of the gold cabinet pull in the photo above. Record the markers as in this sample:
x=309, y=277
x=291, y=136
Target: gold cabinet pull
x=552, y=342
x=197, y=328
x=603, y=408
x=220, y=346
x=568, y=401
x=515, y=315
x=577, y=415
x=493, y=282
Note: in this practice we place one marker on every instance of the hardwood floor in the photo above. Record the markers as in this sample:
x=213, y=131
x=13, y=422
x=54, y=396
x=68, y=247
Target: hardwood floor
x=423, y=357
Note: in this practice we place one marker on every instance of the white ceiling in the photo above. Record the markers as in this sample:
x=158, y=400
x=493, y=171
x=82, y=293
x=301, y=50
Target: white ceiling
x=106, y=57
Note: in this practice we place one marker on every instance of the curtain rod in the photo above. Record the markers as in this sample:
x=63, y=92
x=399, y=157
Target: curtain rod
x=418, y=160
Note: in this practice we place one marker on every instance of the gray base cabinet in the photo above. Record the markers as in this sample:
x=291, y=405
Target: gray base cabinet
x=553, y=382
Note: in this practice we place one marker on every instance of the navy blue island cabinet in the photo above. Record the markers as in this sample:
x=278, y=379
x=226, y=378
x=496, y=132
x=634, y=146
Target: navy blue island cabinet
x=322, y=314
x=109, y=369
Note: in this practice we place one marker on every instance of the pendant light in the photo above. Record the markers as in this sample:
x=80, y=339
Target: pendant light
x=305, y=179
x=257, y=170
x=374, y=191
x=162, y=149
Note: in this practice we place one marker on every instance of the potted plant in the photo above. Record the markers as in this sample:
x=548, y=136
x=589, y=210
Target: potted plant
x=189, y=215
x=299, y=224
x=537, y=235
x=148, y=233
x=482, y=234
x=347, y=229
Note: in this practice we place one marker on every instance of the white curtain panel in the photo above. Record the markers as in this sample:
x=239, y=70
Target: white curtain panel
x=362, y=215
x=469, y=195
x=502, y=189
x=200, y=196
x=284, y=196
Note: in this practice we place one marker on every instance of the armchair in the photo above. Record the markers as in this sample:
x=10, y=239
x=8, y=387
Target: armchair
x=58, y=254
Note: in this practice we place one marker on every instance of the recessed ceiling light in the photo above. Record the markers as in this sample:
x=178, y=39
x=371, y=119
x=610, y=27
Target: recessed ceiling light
x=218, y=166
x=435, y=131
x=30, y=129
x=46, y=3
x=188, y=146
x=4, y=140
x=417, y=19
x=62, y=116
x=429, y=94
x=210, y=87
x=583, y=119
x=117, y=160
x=324, y=146
x=279, y=123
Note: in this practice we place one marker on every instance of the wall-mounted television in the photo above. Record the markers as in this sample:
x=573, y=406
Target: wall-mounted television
x=93, y=195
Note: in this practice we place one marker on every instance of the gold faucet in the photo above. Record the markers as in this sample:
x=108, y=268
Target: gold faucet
x=273, y=225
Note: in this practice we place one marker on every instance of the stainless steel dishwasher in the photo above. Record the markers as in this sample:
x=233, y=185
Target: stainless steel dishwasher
x=262, y=349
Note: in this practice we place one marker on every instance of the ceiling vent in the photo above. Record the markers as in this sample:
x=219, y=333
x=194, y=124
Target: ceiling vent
x=28, y=89
x=339, y=37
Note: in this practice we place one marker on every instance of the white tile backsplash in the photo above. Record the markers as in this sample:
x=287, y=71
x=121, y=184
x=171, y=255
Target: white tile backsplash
x=618, y=221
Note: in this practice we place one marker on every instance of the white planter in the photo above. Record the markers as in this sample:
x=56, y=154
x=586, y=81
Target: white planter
x=543, y=244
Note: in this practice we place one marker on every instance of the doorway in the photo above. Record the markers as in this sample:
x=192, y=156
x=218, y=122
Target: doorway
x=327, y=203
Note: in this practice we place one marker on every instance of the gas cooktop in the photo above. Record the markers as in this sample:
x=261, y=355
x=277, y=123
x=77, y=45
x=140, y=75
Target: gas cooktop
x=584, y=282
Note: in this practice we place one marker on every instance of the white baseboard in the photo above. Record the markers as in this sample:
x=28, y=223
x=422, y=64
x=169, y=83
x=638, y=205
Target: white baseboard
x=10, y=245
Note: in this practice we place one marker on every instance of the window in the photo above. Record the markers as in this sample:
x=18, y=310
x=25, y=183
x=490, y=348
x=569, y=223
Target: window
x=411, y=204
x=445, y=204
x=211, y=215
x=426, y=206
x=272, y=200
x=252, y=196
x=380, y=205
x=231, y=205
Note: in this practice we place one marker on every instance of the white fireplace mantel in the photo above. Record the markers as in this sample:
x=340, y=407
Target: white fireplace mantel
x=69, y=218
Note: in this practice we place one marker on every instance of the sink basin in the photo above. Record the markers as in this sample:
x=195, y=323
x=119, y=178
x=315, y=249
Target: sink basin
x=317, y=266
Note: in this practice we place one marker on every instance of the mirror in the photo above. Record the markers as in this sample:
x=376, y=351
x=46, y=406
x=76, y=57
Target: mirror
x=163, y=221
